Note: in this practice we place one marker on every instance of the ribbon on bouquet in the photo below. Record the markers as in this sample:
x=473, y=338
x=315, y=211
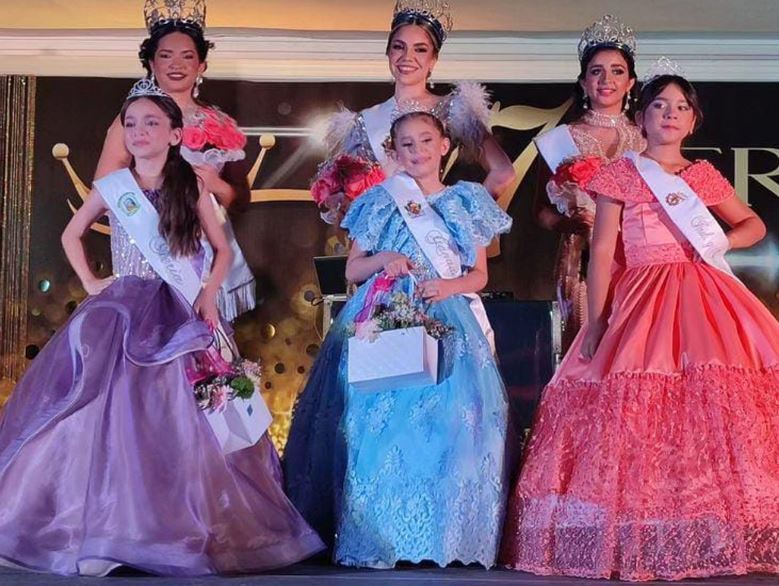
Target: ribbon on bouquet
x=380, y=292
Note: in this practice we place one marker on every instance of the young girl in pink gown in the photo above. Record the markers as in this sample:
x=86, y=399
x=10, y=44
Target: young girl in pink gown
x=655, y=451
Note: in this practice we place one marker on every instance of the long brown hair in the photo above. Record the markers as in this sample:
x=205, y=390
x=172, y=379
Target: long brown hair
x=179, y=222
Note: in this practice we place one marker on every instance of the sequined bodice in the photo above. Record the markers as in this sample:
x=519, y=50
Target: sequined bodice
x=126, y=259
x=628, y=139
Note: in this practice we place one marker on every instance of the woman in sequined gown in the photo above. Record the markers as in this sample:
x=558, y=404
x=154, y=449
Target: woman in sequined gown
x=654, y=452
x=604, y=128
x=105, y=457
x=174, y=55
x=313, y=457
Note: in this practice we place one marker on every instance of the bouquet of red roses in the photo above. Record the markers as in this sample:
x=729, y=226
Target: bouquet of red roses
x=566, y=189
x=340, y=181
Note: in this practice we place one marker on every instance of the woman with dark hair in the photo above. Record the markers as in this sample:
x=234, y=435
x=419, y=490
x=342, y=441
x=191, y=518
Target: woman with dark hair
x=174, y=56
x=106, y=458
x=604, y=95
x=313, y=457
x=654, y=452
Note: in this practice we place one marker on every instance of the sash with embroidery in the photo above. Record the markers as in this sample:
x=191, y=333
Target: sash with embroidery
x=434, y=239
x=377, y=126
x=140, y=220
x=556, y=145
x=687, y=211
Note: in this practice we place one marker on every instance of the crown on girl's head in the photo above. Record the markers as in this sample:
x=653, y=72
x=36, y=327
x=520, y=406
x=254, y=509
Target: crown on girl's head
x=143, y=88
x=435, y=13
x=412, y=107
x=190, y=13
x=663, y=66
x=608, y=32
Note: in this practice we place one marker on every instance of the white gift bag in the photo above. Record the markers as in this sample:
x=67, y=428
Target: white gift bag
x=241, y=423
x=396, y=358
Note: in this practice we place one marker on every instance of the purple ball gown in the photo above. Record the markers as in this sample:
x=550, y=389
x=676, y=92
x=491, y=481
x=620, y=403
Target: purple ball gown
x=106, y=460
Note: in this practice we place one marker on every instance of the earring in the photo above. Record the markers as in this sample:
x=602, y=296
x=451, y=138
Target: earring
x=626, y=107
x=586, y=103
x=152, y=78
x=430, y=83
x=196, y=91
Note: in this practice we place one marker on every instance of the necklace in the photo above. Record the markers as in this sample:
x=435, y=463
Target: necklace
x=604, y=120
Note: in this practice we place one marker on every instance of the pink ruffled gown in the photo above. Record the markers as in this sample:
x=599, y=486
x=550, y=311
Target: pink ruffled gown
x=659, y=459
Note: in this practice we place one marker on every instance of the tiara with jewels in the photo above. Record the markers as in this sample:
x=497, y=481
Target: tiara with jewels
x=435, y=12
x=663, y=66
x=412, y=107
x=143, y=88
x=186, y=12
x=607, y=32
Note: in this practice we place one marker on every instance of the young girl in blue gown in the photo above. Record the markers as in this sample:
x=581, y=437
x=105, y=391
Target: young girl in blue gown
x=421, y=467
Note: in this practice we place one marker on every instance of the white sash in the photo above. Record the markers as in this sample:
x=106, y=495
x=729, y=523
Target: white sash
x=686, y=210
x=556, y=145
x=140, y=220
x=377, y=126
x=435, y=240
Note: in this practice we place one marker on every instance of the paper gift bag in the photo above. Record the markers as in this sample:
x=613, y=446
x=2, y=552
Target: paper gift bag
x=396, y=358
x=241, y=423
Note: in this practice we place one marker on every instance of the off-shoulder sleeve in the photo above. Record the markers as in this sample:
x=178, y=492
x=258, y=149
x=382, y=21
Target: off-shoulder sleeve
x=472, y=217
x=369, y=217
x=468, y=118
x=708, y=183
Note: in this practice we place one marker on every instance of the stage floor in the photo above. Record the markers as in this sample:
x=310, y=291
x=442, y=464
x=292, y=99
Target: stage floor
x=316, y=575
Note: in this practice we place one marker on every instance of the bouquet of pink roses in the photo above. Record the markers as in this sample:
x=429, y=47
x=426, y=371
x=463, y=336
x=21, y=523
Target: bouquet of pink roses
x=340, y=181
x=212, y=137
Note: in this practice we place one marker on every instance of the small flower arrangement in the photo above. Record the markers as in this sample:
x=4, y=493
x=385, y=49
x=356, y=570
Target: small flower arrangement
x=340, y=181
x=217, y=380
x=399, y=313
x=566, y=189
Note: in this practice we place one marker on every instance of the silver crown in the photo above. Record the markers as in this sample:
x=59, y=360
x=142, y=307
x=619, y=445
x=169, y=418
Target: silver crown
x=609, y=31
x=663, y=66
x=187, y=12
x=143, y=88
x=436, y=12
x=411, y=107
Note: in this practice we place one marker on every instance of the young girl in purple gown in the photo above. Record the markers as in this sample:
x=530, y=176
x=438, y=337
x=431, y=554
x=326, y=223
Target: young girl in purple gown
x=105, y=458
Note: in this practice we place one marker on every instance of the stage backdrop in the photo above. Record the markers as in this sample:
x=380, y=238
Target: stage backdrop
x=281, y=231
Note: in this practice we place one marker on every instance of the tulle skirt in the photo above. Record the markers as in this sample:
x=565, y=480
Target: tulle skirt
x=660, y=457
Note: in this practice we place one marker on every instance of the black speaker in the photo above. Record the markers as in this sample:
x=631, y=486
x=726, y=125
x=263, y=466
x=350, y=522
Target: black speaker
x=527, y=343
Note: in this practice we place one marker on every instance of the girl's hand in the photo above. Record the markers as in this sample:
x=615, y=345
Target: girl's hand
x=396, y=264
x=205, y=307
x=96, y=286
x=436, y=289
x=592, y=338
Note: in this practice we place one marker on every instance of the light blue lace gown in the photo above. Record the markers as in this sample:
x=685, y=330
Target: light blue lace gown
x=409, y=474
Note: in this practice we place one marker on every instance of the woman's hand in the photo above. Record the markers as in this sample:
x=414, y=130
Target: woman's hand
x=396, y=264
x=209, y=176
x=592, y=338
x=205, y=307
x=436, y=289
x=95, y=286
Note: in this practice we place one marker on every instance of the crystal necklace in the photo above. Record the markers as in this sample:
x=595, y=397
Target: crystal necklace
x=604, y=120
